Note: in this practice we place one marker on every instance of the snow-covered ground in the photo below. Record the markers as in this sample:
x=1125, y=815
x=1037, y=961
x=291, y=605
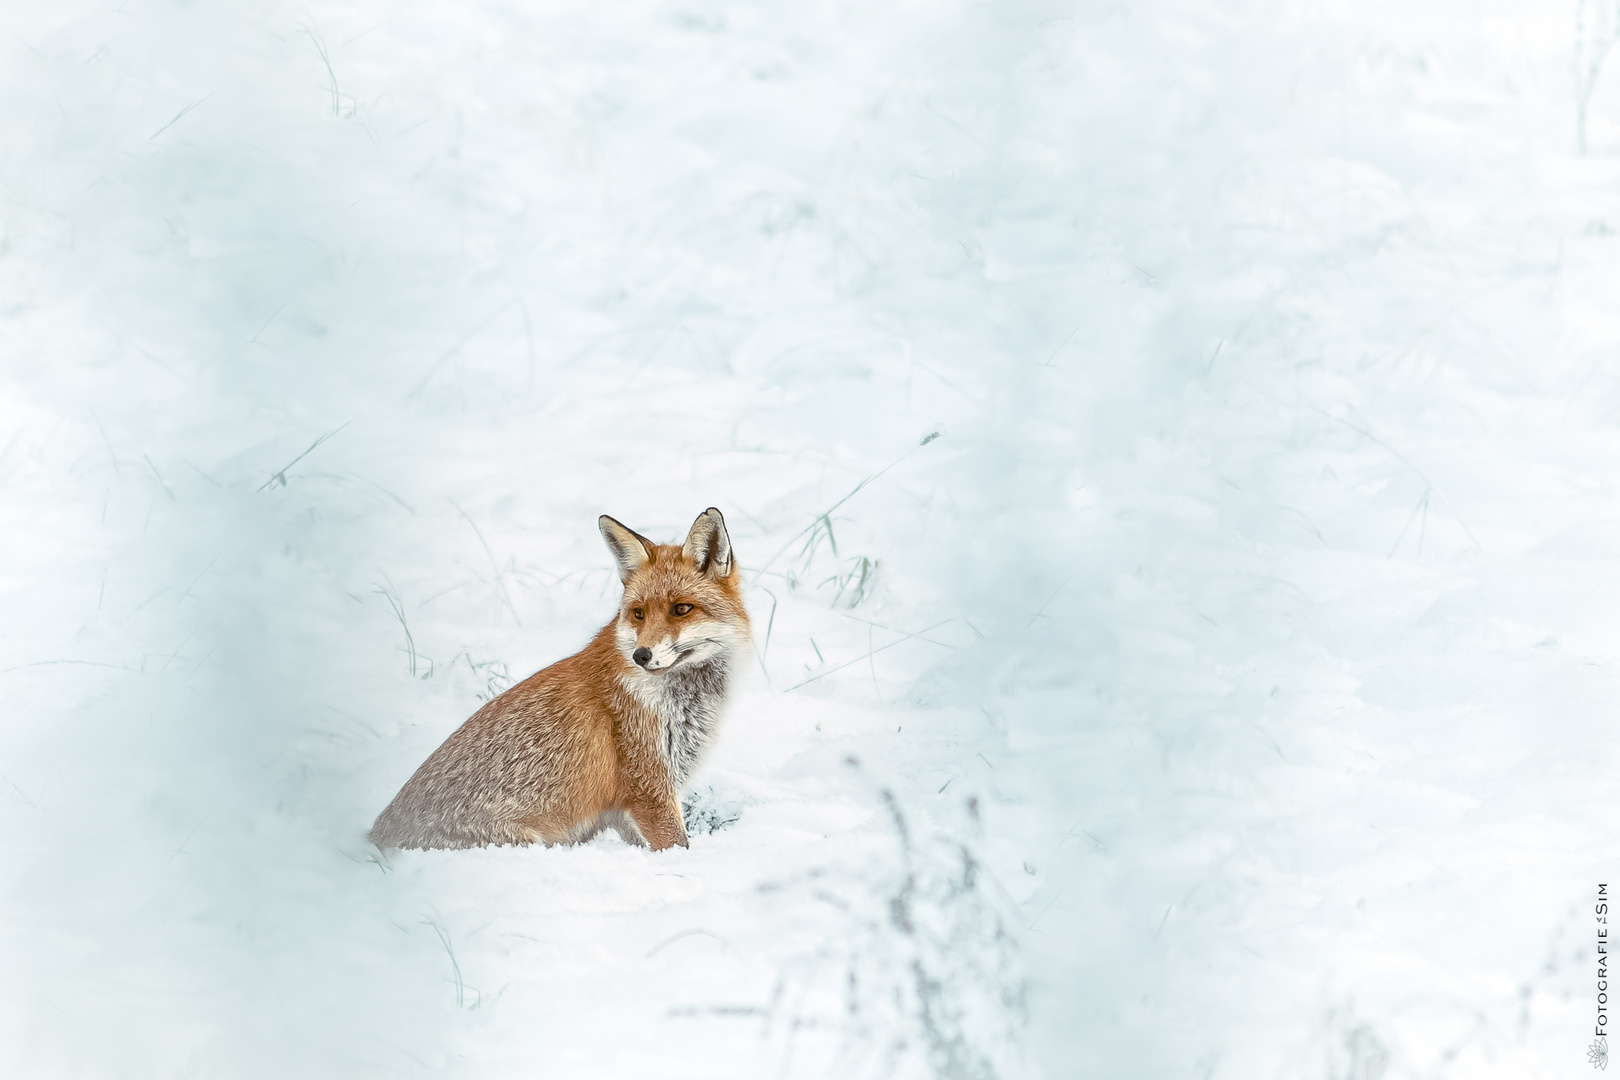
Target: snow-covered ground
x=1173, y=447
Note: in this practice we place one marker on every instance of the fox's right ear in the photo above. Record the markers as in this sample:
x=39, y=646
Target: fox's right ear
x=630, y=549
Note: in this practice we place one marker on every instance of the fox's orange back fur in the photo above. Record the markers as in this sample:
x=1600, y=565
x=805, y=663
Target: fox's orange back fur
x=606, y=738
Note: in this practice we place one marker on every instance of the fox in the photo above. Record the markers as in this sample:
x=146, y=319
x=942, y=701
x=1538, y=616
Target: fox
x=607, y=738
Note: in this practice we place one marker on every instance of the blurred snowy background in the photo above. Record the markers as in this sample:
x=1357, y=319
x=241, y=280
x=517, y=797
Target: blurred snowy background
x=1228, y=690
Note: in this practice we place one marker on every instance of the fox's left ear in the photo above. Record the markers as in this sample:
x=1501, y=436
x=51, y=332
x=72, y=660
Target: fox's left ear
x=630, y=549
x=708, y=546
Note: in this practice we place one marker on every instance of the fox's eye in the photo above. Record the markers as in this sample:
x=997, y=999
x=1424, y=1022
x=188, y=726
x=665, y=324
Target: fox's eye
x=680, y=609
x=639, y=614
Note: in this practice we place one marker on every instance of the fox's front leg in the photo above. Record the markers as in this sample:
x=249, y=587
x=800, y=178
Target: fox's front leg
x=646, y=788
x=658, y=816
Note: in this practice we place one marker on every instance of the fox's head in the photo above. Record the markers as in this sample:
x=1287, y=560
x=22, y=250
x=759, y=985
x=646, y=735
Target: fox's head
x=682, y=604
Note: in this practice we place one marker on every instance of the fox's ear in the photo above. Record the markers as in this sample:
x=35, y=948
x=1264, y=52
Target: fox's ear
x=708, y=546
x=630, y=549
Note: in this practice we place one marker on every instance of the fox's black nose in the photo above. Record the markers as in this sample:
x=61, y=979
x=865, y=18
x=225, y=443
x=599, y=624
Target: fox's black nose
x=641, y=656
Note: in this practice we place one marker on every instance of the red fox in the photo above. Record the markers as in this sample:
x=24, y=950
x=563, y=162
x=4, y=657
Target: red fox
x=606, y=738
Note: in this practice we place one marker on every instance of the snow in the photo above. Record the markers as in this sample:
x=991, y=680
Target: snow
x=1172, y=448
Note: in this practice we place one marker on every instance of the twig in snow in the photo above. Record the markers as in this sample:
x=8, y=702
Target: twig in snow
x=399, y=613
x=167, y=490
x=1596, y=30
x=892, y=630
x=181, y=850
x=500, y=580
x=872, y=665
x=116, y=470
x=280, y=475
x=1423, y=506
x=86, y=663
x=180, y=114
x=320, y=47
x=825, y=515
x=266, y=326
x=458, y=346
x=1064, y=342
x=1049, y=599
x=198, y=578
x=858, y=659
x=1045, y=909
x=1404, y=460
x=443, y=935
x=761, y=653
x=695, y=931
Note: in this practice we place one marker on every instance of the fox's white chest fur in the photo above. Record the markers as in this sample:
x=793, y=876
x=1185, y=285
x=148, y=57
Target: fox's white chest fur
x=688, y=702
